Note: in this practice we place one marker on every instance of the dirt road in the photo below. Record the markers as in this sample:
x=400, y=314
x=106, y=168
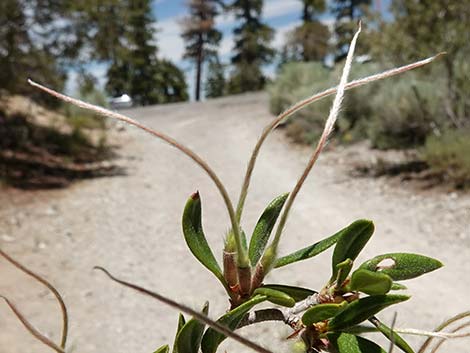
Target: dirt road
x=131, y=225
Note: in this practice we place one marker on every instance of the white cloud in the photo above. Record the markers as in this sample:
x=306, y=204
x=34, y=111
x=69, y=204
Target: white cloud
x=276, y=8
x=169, y=38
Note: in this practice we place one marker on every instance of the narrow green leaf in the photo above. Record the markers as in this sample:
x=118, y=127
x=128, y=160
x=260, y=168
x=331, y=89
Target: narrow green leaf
x=347, y=343
x=343, y=271
x=189, y=338
x=212, y=339
x=372, y=283
x=276, y=296
x=394, y=337
x=264, y=227
x=313, y=250
x=181, y=322
x=402, y=266
x=352, y=240
x=195, y=238
x=362, y=309
x=297, y=293
x=398, y=286
x=321, y=312
x=163, y=349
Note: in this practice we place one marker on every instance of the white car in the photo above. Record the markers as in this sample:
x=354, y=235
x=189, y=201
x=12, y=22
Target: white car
x=121, y=102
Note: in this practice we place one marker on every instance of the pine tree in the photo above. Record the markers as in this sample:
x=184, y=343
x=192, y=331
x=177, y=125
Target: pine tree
x=215, y=81
x=21, y=56
x=347, y=14
x=423, y=28
x=252, y=47
x=200, y=36
x=135, y=68
x=309, y=41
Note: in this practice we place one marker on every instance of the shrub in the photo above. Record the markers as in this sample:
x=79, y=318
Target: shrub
x=449, y=155
x=404, y=113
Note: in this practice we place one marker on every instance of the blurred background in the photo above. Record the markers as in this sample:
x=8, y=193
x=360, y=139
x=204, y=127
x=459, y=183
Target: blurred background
x=214, y=73
x=133, y=53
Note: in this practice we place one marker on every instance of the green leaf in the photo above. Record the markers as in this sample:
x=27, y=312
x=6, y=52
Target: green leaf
x=350, y=243
x=181, y=322
x=398, y=286
x=195, y=238
x=212, y=339
x=343, y=271
x=321, y=312
x=163, y=349
x=402, y=266
x=312, y=250
x=372, y=283
x=394, y=337
x=347, y=343
x=263, y=228
x=297, y=293
x=276, y=296
x=362, y=309
x=189, y=338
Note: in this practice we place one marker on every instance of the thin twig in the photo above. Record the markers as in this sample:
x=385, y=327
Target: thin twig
x=63, y=308
x=461, y=327
x=187, y=151
x=197, y=315
x=303, y=103
x=392, y=338
x=286, y=315
x=442, y=326
x=432, y=334
x=38, y=335
x=322, y=141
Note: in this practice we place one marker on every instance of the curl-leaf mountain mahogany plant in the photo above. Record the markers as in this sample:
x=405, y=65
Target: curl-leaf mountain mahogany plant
x=330, y=319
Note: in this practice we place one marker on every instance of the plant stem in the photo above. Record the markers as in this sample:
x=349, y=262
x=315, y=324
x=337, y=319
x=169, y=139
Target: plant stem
x=197, y=315
x=303, y=103
x=242, y=256
x=321, y=143
x=63, y=308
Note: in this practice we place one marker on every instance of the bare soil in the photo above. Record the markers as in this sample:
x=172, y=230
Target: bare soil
x=131, y=225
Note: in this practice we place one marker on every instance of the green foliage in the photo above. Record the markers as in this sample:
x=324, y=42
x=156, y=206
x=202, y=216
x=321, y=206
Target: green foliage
x=252, y=47
x=350, y=243
x=212, y=339
x=264, y=227
x=215, y=80
x=392, y=336
x=448, y=155
x=195, y=238
x=347, y=13
x=423, y=27
x=347, y=343
x=402, y=266
x=369, y=282
x=163, y=349
x=297, y=293
x=276, y=296
x=201, y=36
x=189, y=337
x=321, y=312
x=22, y=55
x=405, y=112
x=316, y=248
x=135, y=68
x=362, y=309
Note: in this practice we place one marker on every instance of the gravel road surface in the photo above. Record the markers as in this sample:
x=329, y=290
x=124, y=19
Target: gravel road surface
x=131, y=225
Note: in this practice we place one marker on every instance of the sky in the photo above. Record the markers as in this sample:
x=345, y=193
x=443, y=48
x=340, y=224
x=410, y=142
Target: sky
x=282, y=15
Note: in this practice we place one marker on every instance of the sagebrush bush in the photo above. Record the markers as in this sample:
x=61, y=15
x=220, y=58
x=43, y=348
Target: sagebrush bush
x=391, y=114
x=405, y=112
x=449, y=155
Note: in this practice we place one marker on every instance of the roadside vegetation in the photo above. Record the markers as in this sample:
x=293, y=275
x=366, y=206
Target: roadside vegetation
x=427, y=111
